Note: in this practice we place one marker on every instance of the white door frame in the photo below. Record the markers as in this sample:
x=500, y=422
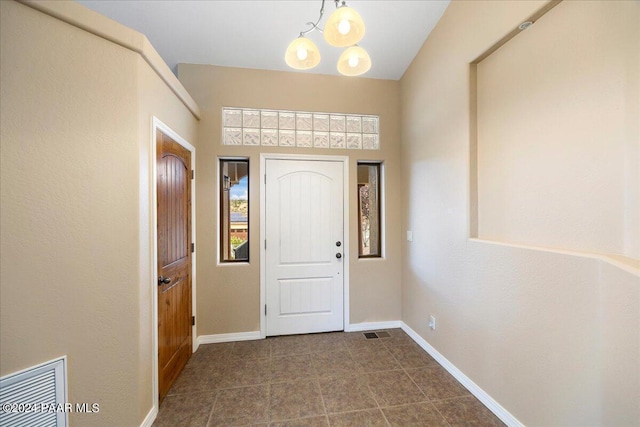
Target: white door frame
x=263, y=220
x=157, y=125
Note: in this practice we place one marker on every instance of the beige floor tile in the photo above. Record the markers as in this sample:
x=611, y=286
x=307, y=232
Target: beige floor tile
x=398, y=338
x=212, y=353
x=296, y=400
x=369, y=418
x=394, y=332
x=291, y=368
x=466, y=411
x=303, y=422
x=326, y=343
x=289, y=345
x=342, y=394
x=251, y=349
x=412, y=356
x=188, y=410
x=437, y=383
x=244, y=372
x=198, y=377
x=394, y=388
x=364, y=347
x=335, y=364
x=416, y=414
x=357, y=342
x=241, y=406
x=375, y=361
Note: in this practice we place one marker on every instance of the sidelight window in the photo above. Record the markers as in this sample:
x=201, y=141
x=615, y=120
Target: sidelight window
x=234, y=210
x=369, y=218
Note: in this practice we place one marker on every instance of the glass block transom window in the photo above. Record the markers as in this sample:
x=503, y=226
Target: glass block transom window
x=275, y=128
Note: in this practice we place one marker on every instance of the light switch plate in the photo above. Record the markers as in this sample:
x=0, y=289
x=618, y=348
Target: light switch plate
x=409, y=236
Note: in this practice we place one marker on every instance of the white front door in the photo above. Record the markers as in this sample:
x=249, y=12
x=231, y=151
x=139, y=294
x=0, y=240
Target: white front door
x=304, y=242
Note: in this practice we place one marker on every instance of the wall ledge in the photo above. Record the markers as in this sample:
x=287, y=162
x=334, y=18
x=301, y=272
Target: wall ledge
x=630, y=265
x=81, y=17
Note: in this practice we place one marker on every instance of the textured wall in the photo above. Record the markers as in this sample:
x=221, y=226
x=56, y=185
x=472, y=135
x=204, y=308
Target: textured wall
x=75, y=229
x=559, y=132
x=229, y=295
x=551, y=335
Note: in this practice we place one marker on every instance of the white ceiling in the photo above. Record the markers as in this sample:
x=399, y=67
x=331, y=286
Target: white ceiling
x=255, y=34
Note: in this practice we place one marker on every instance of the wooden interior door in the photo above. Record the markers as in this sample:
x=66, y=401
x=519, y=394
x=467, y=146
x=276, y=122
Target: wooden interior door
x=174, y=260
x=304, y=249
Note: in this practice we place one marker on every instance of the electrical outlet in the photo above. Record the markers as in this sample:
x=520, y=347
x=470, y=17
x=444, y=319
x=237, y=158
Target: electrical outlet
x=432, y=322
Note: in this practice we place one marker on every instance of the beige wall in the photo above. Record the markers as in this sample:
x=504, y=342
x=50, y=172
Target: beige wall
x=559, y=132
x=228, y=296
x=75, y=237
x=552, y=336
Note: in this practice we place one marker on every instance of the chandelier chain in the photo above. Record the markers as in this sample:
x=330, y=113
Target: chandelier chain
x=314, y=25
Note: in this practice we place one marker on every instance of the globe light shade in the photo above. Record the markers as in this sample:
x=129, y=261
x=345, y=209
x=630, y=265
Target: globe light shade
x=344, y=27
x=302, y=54
x=354, y=61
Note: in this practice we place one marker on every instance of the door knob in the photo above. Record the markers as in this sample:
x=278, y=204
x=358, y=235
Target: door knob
x=338, y=255
x=163, y=280
x=338, y=244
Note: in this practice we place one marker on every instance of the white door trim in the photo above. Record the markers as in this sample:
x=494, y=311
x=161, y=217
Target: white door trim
x=156, y=125
x=345, y=194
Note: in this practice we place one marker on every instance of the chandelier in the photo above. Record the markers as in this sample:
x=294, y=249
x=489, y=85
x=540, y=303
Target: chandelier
x=344, y=28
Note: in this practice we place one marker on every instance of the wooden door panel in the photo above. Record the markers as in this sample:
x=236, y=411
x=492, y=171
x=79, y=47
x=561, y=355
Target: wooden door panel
x=174, y=219
x=174, y=332
x=174, y=260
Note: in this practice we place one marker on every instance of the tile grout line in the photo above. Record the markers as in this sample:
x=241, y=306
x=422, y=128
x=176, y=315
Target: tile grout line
x=349, y=350
x=421, y=391
x=324, y=406
x=269, y=403
x=213, y=407
x=317, y=379
x=377, y=403
x=376, y=400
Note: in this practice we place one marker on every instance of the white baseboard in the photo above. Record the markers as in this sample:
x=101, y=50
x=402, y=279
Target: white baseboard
x=504, y=415
x=236, y=336
x=255, y=335
x=150, y=418
x=373, y=326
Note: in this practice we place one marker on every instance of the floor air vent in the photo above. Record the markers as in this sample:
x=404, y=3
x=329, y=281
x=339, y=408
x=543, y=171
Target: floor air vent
x=30, y=397
x=374, y=335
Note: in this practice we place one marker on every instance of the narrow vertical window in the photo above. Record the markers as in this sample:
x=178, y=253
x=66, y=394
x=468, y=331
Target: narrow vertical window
x=369, y=218
x=234, y=210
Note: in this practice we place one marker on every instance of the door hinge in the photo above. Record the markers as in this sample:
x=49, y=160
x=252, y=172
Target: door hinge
x=265, y=244
x=193, y=320
x=193, y=247
x=193, y=174
x=265, y=309
x=265, y=178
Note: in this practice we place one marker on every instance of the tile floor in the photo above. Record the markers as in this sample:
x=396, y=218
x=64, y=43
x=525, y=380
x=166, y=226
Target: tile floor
x=333, y=379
